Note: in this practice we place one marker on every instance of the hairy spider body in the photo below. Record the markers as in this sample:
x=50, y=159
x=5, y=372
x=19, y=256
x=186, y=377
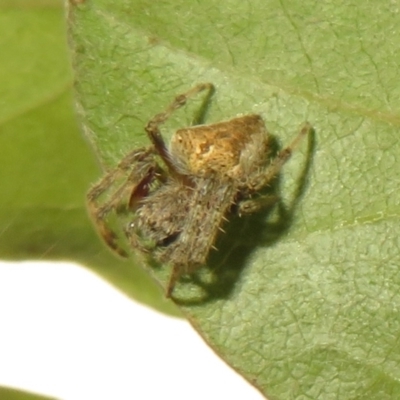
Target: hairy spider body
x=181, y=222
x=179, y=196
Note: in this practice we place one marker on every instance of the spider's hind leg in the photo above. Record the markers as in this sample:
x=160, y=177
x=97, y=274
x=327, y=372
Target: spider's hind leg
x=251, y=206
x=153, y=126
x=264, y=177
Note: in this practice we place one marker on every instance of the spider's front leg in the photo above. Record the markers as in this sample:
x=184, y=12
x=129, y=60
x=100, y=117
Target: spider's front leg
x=175, y=275
x=142, y=164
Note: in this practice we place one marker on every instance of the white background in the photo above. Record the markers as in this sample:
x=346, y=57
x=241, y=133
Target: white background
x=66, y=333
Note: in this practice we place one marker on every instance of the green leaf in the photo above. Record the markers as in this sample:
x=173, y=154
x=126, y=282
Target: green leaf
x=46, y=166
x=13, y=394
x=305, y=306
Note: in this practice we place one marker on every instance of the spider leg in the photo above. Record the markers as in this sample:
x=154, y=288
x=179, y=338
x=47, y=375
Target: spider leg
x=177, y=271
x=262, y=178
x=175, y=275
x=251, y=206
x=124, y=165
x=141, y=162
x=153, y=126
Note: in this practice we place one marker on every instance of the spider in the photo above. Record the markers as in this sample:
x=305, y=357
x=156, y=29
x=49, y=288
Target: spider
x=179, y=196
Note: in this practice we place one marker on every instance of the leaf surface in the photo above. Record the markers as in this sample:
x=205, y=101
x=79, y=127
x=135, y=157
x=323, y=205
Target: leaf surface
x=46, y=166
x=305, y=302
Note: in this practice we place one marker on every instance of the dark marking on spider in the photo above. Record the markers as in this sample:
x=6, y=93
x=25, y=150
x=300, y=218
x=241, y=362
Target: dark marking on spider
x=179, y=196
